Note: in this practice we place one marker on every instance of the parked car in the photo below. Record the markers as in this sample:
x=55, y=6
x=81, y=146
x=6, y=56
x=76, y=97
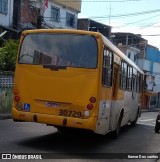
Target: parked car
x=157, y=126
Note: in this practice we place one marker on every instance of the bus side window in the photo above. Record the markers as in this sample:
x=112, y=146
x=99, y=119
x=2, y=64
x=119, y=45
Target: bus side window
x=107, y=68
x=129, y=77
x=123, y=75
x=138, y=80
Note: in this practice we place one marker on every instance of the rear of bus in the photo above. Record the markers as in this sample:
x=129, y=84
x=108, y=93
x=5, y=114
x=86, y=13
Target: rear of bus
x=56, y=78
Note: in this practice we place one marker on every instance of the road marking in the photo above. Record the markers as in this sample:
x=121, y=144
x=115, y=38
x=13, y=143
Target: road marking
x=144, y=120
x=146, y=124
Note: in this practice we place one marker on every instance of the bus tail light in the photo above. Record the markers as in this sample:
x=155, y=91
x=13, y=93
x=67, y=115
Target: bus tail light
x=89, y=106
x=17, y=98
x=92, y=99
x=15, y=91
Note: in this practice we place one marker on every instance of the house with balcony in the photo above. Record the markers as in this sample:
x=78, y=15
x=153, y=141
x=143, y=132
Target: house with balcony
x=19, y=15
x=62, y=14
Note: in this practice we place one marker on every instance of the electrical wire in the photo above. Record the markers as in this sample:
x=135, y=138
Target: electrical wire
x=97, y=1
x=128, y=14
x=137, y=21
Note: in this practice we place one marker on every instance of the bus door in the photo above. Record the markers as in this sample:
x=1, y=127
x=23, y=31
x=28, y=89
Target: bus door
x=115, y=86
x=134, y=98
x=133, y=87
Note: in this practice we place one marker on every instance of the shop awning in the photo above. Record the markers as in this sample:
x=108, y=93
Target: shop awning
x=150, y=93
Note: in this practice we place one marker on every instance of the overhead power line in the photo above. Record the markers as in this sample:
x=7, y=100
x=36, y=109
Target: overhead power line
x=148, y=26
x=97, y=1
x=128, y=14
x=137, y=21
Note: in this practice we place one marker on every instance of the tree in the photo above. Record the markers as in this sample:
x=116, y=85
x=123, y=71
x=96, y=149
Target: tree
x=8, y=53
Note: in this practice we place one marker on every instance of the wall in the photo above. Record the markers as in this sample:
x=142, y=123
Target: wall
x=133, y=53
x=153, y=54
x=6, y=89
x=144, y=64
x=62, y=23
x=28, y=14
x=156, y=67
x=6, y=19
x=157, y=84
x=75, y=4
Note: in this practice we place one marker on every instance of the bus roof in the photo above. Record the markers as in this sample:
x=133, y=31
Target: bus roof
x=120, y=54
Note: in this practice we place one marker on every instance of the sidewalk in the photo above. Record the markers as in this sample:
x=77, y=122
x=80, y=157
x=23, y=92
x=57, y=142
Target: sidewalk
x=5, y=116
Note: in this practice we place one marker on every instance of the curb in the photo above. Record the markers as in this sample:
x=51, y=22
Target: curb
x=2, y=117
x=152, y=110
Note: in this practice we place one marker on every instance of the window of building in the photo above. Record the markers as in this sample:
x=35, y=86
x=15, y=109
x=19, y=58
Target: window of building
x=129, y=55
x=107, y=67
x=4, y=6
x=55, y=14
x=135, y=57
x=138, y=82
x=70, y=19
x=123, y=75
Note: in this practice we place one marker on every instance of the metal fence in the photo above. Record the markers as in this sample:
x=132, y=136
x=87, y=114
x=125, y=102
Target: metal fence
x=6, y=89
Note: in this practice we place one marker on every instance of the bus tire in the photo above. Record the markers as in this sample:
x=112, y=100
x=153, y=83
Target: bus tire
x=133, y=123
x=115, y=134
x=156, y=129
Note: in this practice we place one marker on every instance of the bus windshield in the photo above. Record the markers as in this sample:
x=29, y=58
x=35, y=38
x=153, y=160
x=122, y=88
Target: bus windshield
x=66, y=50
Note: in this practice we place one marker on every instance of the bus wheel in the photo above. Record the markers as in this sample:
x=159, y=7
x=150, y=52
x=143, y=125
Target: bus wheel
x=115, y=134
x=156, y=129
x=135, y=121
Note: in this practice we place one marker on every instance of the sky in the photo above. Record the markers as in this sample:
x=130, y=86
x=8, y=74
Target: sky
x=133, y=16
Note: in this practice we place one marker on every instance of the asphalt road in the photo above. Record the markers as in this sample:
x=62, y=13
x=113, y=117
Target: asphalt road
x=20, y=137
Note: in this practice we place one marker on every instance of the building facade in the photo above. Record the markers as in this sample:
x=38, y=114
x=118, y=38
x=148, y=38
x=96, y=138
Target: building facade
x=61, y=14
x=6, y=13
x=19, y=15
x=153, y=63
x=91, y=25
x=147, y=57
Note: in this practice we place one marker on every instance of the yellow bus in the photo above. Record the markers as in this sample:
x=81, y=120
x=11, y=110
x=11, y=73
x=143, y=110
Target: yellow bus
x=75, y=79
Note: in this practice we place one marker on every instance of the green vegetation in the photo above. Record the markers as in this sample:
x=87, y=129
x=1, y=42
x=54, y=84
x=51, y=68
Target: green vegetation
x=8, y=53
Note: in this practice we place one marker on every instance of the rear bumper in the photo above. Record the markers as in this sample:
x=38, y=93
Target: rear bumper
x=89, y=124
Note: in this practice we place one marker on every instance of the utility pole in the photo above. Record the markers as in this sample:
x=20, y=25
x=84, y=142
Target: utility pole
x=109, y=13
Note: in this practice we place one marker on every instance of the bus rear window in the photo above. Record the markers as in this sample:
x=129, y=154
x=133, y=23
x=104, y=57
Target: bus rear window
x=70, y=50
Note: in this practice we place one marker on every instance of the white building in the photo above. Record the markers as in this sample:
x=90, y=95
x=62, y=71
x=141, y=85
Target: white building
x=132, y=53
x=6, y=12
x=60, y=14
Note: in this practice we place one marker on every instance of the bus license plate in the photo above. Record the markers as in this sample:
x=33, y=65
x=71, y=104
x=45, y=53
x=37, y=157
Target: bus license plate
x=52, y=104
x=68, y=113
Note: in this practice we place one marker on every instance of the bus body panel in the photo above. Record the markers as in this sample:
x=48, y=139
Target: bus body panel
x=49, y=92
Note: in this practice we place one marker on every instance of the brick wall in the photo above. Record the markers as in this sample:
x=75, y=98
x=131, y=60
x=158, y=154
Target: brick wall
x=83, y=24
x=28, y=14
